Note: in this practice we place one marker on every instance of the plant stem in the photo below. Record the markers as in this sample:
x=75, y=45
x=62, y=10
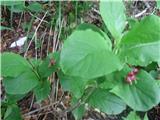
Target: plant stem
x=34, y=70
x=79, y=103
x=116, y=44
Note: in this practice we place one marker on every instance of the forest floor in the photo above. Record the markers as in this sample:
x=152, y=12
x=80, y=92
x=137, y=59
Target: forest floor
x=51, y=26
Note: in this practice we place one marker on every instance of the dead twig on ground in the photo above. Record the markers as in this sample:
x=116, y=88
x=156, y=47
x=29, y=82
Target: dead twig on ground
x=25, y=54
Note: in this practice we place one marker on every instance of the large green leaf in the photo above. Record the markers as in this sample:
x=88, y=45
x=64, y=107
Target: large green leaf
x=113, y=15
x=12, y=98
x=87, y=53
x=141, y=45
x=75, y=85
x=106, y=101
x=109, y=81
x=13, y=64
x=132, y=22
x=21, y=84
x=79, y=111
x=13, y=113
x=140, y=96
x=42, y=90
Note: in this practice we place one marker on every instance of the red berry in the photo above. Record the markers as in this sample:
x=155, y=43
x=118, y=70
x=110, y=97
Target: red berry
x=130, y=73
x=133, y=77
x=130, y=77
x=135, y=70
x=128, y=80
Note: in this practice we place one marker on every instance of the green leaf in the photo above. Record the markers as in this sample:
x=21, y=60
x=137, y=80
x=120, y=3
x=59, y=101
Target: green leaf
x=110, y=81
x=4, y=28
x=35, y=62
x=17, y=8
x=140, y=45
x=152, y=66
x=42, y=90
x=12, y=113
x=13, y=64
x=132, y=116
x=79, y=111
x=14, y=98
x=154, y=74
x=146, y=117
x=106, y=101
x=3, y=108
x=14, y=6
x=158, y=4
x=11, y=3
x=46, y=68
x=21, y=84
x=158, y=83
x=75, y=85
x=140, y=96
x=35, y=7
x=87, y=53
x=113, y=15
x=132, y=22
